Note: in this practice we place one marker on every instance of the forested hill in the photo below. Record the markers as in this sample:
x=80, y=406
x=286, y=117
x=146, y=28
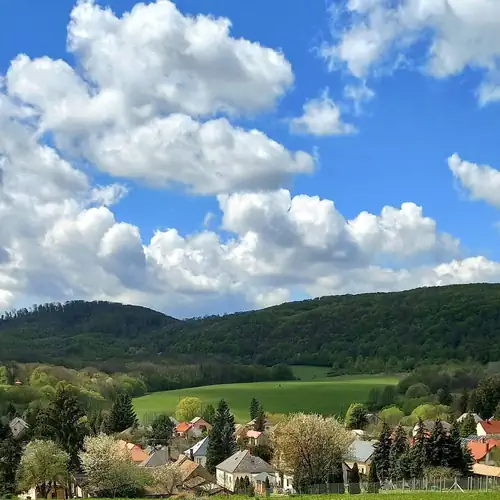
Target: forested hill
x=363, y=333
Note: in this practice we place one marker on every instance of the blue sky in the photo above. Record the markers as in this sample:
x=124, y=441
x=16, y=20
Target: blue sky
x=431, y=96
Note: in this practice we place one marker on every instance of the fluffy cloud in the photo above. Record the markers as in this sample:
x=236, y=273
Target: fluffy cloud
x=457, y=34
x=321, y=117
x=149, y=83
x=482, y=181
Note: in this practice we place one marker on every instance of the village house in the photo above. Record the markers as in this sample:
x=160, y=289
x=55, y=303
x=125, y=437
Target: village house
x=242, y=464
x=158, y=458
x=18, y=427
x=137, y=453
x=429, y=427
x=196, y=428
x=475, y=416
x=267, y=425
x=195, y=478
x=361, y=452
x=256, y=438
x=481, y=450
x=198, y=452
x=488, y=427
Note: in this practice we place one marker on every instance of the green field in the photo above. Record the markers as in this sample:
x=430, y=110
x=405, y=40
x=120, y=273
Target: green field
x=314, y=393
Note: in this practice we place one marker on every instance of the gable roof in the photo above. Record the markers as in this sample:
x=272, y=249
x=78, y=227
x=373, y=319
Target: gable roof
x=490, y=426
x=18, y=426
x=429, y=425
x=244, y=462
x=476, y=417
x=361, y=451
x=480, y=449
x=157, y=458
x=184, y=427
x=190, y=469
x=199, y=449
x=199, y=421
x=254, y=434
x=137, y=453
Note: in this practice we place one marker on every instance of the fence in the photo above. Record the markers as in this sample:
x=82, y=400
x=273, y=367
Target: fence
x=475, y=483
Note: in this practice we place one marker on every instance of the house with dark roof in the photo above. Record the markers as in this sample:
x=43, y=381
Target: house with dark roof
x=361, y=452
x=157, y=458
x=241, y=465
x=195, y=478
x=429, y=427
x=18, y=427
x=198, y=452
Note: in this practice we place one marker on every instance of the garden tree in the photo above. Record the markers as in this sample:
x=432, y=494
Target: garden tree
x=382, y=453
x=122, y=415
x=188, y=408
x=431, y=412
x=262, y=451
x=43, y=464
x=463, y=402
x=222, y=443
x=96, y=420
x=10, y=411
x=418, y=452
x=418, y=390
x=399, y=447
x=109, y=469
x=354, y=488
x=260, y=420
x=486, y=396
x=373, y=480
x=309, y=447
x=237, y=485
x=10, y=456
x=392, y=415
x=355, y=417
x=468, y=426
x=254, y=408
x=267, y=485
x=337, y=476
x=496, y=414
x=161, y=431
x=437, y=446
x=166, y=478
x=444, y=397
x=458, y=457
x=65, y=423
x=208, y=413
x=4, y=377
x=406, y=466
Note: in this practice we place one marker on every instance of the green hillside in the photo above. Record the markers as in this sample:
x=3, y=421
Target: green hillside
x=370, y=333
x=331, y=396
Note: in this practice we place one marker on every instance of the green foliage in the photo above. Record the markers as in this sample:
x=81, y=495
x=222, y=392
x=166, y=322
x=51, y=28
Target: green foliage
x=418, y=390
x=437, y=446
x=391, y=415
x=382, y=453
x=10, y=456
x=355, y=417
x=486, y=396
x=468, y=426
x=399, y=448
x=373, y=480
x=431, y=412
x=254, y=408
x=458, y=457
x=188, y=408
x=4, y=379
x=208, y=413
x=161, y=431
x=418, y=452
x=263, y=451
x=122, y=415
x=222, y=443
x=354, y=487
x=64, y=422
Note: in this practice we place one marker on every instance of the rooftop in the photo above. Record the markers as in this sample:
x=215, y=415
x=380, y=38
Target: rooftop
x=244, y=462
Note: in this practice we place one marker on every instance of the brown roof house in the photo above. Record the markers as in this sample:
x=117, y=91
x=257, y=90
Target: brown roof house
x=242, y=464
x=196, y=478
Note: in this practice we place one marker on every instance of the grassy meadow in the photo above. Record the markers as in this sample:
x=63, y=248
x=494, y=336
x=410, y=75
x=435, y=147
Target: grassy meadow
x=315, y=392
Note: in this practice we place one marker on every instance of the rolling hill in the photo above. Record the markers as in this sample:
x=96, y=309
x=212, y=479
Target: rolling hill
x=372, y=333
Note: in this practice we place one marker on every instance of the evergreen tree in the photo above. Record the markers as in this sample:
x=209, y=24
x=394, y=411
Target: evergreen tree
x=222, y=443
x=444, y=396
x=463, y=402
x=11, y=411
x=356, y=416
x=418, y=452
x=458, y=456
x=496, y=414
x=399, y=447
x=237, y=485
x=373, y=480
x=10, y=457
x=382, y=453
x=468, y=426
x=437, y=446
x=208, y=414
x=260, y=420
x=254, y=408
x=354, y=488
x=161, y=431
x=338, y=477
x=63, y=422
x=122, y=415
x=267, y=486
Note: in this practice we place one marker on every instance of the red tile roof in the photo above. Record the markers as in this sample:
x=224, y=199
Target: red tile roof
x=183, y=427
x=479, y=449
x=490, y=426
x=254, y=434
x=137, y=453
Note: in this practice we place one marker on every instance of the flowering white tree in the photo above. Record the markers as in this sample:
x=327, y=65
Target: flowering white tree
x=109, y=468
x=166, y=478
x=310, y=447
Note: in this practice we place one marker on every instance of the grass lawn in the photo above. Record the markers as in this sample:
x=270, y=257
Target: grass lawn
x=407, y=495
x=321, y=395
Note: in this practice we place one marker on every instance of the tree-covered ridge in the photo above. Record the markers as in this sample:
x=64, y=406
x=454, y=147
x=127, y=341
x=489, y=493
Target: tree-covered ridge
x=353, y=333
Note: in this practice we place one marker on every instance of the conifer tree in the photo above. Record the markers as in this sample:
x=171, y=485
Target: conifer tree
x=354, y=488
x=122, y=415
x=463, y=402
x=458, y=456
x=437, y=446
x=222, y=442
x=209, y=414
x=468, y=426
x=260, y=420
x=10, y=457
x=373, y=480
x=418, y=452
x=254, y=408
x=399, y=447
x=382, y=453
x=161, y=431
x=338, y=477
x=237, y=485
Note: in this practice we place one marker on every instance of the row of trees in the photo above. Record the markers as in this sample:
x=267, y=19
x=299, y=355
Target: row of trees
x=395, y=459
